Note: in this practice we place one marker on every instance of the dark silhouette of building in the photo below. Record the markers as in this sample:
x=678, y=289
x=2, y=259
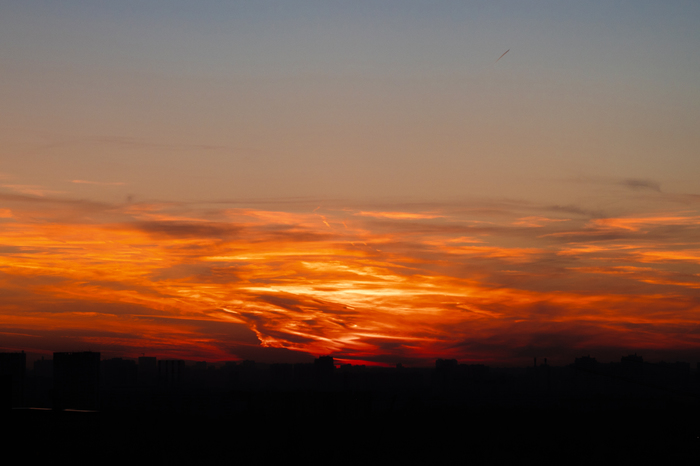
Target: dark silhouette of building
x=12, y=379
x=118, y=372
x=585, y=363
x=632, y=359
x=147, y=370
x=40, y=384
x=199, y=366
x=445, y=374
x=446, y=364
x=76, y=380
x=632, y=366
x=43, y=367
x=171, y=371
x=324, y=367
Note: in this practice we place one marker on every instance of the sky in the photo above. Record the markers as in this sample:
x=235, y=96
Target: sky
x=279, y=180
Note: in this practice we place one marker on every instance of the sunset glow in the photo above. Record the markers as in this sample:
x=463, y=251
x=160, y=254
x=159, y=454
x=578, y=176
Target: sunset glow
x=224, y=283
x=366, y=180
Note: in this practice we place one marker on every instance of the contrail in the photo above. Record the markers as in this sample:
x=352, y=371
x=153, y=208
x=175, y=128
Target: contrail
x=501, y=56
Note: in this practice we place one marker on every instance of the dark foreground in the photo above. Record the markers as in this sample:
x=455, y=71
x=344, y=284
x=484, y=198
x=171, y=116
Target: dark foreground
x=625, y=413
x=264, y=434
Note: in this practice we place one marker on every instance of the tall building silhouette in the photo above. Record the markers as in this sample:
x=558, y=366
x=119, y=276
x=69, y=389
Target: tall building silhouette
x=12, y=379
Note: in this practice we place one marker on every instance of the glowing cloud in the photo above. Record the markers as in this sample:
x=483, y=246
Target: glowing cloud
x=172, y=277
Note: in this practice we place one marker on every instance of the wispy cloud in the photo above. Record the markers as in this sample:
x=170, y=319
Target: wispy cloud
x=102, y=183
x=537, y=222
x=638, y=223
x=399, y=215
x=34, y=190
x=637, y=184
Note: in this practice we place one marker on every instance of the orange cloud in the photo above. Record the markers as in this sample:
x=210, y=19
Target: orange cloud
x=635, y=224
x=171, y=279
x=398, y=215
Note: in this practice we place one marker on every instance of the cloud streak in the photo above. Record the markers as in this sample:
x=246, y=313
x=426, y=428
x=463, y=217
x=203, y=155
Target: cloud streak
x=100, y=183
x=33, y=190
x=637, y=184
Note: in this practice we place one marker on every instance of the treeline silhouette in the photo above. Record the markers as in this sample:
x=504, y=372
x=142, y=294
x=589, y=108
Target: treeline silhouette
x=178, y=411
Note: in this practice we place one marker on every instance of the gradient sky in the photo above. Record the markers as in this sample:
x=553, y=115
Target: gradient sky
x=281, y=180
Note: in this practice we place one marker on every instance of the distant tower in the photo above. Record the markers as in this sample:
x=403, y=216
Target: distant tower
x=445, y=372
x=446, y=364
x=324, y=368
x=324, y=365
x=585, y=363
x=43, y=368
